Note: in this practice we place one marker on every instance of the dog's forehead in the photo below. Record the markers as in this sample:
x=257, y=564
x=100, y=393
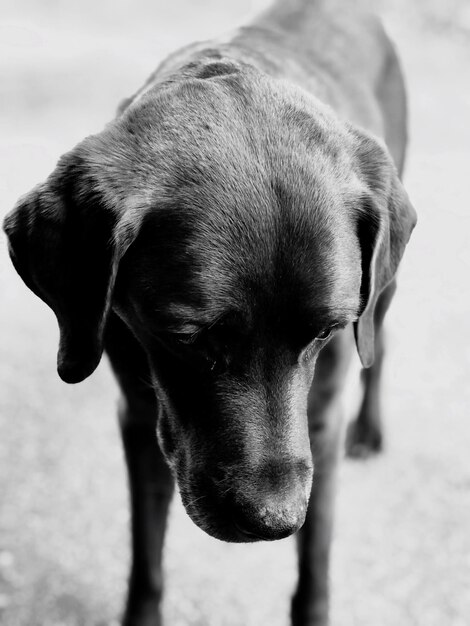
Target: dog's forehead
x=290, y=255
x=245, y=188
x=277, y=248
x=205, y=127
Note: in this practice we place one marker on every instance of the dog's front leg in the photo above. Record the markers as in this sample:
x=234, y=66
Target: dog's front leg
x=151, y=488
x=365, y=434
x=150, y=480
x=311, y=599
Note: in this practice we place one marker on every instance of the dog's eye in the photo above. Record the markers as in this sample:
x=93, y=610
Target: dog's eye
x=178, y=342
x=184, y=338
x=326, y=333
x=196, y=348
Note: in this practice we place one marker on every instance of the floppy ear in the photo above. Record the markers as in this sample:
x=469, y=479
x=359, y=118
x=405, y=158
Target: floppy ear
x=386, y=220
x=66, y=246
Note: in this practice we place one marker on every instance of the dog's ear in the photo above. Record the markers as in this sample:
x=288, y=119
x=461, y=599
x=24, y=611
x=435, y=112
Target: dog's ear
x=385, y=221
x=66, y=245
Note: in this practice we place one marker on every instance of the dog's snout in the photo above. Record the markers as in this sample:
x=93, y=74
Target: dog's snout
x=271, y=508
x=269, y=521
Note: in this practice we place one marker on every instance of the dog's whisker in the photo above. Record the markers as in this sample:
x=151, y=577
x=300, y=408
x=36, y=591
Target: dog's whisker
x=193, y=502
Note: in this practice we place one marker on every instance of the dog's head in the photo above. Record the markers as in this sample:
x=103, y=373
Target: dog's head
x=234, y=225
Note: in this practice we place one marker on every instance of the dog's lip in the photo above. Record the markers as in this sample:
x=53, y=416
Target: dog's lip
x=249, y=536
x=246, y=535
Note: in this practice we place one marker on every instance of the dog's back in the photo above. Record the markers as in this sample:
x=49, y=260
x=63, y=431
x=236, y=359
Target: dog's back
x=335, y=49
x=338, y=52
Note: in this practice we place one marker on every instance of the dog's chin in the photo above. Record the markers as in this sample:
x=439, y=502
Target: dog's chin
x=220, y=514
x=202, y=506
x=214, y=519
x=211, y=514
x=217, y=519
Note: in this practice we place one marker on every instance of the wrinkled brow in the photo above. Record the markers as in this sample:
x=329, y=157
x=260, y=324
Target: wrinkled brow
x=186, y=319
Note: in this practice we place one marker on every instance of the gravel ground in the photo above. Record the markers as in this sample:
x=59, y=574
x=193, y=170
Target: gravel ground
x=402, y=548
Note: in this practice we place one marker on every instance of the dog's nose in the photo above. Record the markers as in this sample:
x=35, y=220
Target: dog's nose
x=269, y=522
x=271, y=509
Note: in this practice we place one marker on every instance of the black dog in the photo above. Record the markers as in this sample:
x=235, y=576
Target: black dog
x=222, y=237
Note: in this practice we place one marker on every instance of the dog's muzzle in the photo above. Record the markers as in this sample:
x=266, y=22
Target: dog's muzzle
x=270, y=517
x=274, y=505
x=260, y=503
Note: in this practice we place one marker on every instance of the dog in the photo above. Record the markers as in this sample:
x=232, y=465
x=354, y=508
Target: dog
x=224, y=239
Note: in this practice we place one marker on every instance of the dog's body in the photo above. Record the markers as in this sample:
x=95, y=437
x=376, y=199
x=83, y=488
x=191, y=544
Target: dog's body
x=234, y=220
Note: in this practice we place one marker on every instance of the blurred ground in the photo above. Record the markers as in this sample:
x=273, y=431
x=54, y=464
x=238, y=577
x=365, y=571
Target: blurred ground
x=402, y=548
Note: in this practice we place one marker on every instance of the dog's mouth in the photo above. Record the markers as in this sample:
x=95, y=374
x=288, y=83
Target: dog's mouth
x=242, y=513
x=238, y=493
